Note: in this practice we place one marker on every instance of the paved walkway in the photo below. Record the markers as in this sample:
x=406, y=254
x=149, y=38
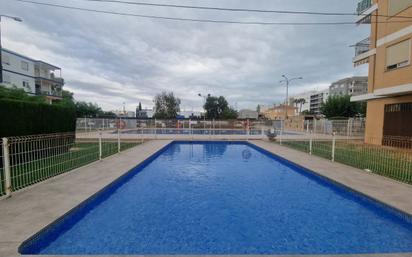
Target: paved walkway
x=30, y=210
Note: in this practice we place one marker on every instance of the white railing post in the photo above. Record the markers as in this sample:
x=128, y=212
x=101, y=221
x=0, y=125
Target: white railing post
x=281, y=132
x=6, y=166
x=100, y=145
x=118, y=139
x=213, y=122
x=333, y=146
x=155, y=128
x=310, y=145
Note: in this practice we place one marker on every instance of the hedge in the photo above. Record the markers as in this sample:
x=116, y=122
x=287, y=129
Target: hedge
x=19, y=118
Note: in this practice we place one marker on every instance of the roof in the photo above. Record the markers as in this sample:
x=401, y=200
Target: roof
x=51, y=66
x=356, y=78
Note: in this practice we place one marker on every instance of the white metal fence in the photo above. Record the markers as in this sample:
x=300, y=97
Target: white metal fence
x=153, y=128
x=387, y=156
x=30, y=159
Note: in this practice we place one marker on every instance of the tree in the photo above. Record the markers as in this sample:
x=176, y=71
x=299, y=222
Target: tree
x=167, y=106
x=15, y=93
x=218, y=108
x=229, y=114
x=89, y=110
x=258, y=108
x=301, y=102
x=67, y=99
x=341, y=106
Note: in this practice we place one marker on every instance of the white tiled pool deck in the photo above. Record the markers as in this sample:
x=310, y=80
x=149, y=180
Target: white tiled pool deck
x=30, y=210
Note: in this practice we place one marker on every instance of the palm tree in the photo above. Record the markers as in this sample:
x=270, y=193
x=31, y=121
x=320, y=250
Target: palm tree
x=301, y=102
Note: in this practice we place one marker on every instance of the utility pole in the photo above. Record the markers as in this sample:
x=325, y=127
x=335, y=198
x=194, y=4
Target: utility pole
x=1, y=48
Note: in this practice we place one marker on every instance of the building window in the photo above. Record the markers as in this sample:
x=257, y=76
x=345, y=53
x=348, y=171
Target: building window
x=24, y=65
x=5, y=59
x=398, y=55
x=396, y=6
x=26, y=85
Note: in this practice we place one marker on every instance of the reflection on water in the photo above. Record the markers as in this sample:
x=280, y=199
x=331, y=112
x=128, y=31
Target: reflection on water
x=246, y=154
x=214, y=150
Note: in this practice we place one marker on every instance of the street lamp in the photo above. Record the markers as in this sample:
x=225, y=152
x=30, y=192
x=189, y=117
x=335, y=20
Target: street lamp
x=287, y=81
x=204, y=114
x=1, y=49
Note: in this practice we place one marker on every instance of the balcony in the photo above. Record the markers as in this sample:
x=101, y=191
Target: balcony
x=362, y=46
x=54, y=93
x=363, y=6
x=362, y=52
x=364, y=10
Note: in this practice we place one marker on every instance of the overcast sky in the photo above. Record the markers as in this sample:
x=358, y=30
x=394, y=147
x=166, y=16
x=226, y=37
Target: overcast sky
x=108, y=59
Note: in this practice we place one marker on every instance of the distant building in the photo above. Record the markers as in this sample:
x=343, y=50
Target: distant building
x=264, y=108
x=124, y=114
x=248, y=114
x=144, y=113
x=349, y=86
x=304, y=106
x=33, y=76
x=317, y=99
x=278, y=112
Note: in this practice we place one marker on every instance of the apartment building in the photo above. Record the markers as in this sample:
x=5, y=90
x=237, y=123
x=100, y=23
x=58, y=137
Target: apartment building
x=34, y=76
x=388, y=53
x=317, y=99
x=303, y=105
x=349, y=86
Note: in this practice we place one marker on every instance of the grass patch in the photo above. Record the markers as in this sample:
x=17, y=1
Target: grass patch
x=386, y=161
x=27, y=173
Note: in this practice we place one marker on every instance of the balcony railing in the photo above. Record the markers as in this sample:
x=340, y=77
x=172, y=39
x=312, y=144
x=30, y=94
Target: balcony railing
x=362, y=46
x=49, y=93
x=363, y=5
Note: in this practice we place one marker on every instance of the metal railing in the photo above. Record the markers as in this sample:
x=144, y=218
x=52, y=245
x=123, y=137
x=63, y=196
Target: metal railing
x=30, y=159
x=351, y=127
x=363, y=6
x=388, y=156
x=362, y=46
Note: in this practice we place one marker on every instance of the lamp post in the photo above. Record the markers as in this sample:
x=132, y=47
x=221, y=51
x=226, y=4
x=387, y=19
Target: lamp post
x=287, y=81
x=1, y=49
x=204, y=114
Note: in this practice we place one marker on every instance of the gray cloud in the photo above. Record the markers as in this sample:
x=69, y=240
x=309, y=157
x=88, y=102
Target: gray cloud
x=110, y=59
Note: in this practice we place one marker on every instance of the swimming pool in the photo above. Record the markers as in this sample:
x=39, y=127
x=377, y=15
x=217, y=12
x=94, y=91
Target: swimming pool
x=224, y=198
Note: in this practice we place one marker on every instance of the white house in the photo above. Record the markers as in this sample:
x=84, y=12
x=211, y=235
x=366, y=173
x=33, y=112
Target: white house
x=34, y=76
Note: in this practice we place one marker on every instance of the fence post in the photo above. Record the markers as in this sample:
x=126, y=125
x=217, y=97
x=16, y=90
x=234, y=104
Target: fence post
x=333, y=146
x=100, y=145
x=118, y=140
x=314, y=126
x=281, y=133
x=310, y=145
x=155, y=128
x=6, y=166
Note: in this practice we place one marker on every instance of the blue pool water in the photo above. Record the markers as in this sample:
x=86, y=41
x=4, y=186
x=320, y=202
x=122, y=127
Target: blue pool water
x=224, y=198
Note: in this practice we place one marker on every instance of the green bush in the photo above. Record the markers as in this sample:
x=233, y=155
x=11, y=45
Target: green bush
x=20, y=118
